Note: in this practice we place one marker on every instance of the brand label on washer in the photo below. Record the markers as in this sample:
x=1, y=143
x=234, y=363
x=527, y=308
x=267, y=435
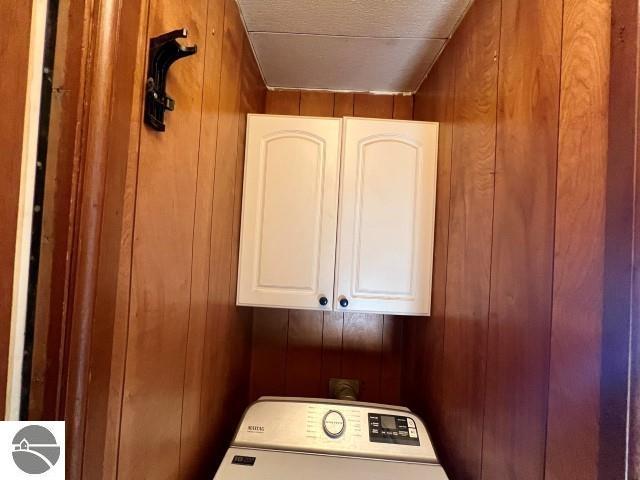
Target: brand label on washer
x=242, y=460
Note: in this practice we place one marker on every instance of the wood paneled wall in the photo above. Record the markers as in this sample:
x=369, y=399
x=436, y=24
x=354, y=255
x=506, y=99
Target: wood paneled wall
x=296, y=352
x=511, y=356
x=170, y=351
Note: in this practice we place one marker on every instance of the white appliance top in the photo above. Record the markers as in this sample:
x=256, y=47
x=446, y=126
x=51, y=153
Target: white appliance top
x=333, y=427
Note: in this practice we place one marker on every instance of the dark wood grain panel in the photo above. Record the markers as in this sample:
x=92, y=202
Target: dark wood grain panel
x=362, y=352
x=269, y=352
x=343, y=105
x=621, y=253
x=391, y=359
x=470, y=239
x=403, y=107
x=373, y=106
x=434, y=102
x=521, y=269
x=304, y=354
x=553, y=261
x=331, y=349
x=625, y=47
x=283, y=102
x=574, y=384
x=317, y=104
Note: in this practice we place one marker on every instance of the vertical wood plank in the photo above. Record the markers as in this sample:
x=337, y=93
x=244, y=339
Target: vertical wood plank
x=621, y=256
x=233, y=324
x=435, y=102
x=343, y=105
x=470, y=239
x=159, y=302
x=283, y=102
x=521, y=270
x=331, y=349
x=304, y=354
x=191, y=449
x=317, y=104
x=373, y=106
x=574, y=385
x=221, y=345
x=403, y=107
x=269, y=352
x=362, y=352
x=391, y=359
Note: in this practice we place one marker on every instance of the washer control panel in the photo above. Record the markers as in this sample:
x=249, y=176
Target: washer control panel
x=396, y=429
x=335, y=427
x=333, y=424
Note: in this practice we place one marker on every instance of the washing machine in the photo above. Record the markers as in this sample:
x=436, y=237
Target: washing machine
x=316, y=439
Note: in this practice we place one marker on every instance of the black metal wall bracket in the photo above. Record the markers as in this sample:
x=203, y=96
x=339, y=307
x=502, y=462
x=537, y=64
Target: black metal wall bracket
x=163, y=51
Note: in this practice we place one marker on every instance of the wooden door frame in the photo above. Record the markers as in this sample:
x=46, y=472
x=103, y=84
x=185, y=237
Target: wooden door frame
x=98, y=79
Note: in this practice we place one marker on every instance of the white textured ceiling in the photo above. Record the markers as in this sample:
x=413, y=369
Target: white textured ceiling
x=358, y=45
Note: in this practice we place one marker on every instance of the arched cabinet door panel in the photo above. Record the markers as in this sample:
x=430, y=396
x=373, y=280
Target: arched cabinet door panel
x=289, y=215
x=386, y=221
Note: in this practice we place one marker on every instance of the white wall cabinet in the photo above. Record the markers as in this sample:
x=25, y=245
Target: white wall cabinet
x=338, y=214
x=289, y=211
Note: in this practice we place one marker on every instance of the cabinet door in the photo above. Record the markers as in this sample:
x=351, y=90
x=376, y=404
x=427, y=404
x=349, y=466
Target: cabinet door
x=289, y=215
x=387, y=210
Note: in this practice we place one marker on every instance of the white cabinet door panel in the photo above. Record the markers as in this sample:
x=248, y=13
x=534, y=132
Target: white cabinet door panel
x=287, y=247
x=387, y=211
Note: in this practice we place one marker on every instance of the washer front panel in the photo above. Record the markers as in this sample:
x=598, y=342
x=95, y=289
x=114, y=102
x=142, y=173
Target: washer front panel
x=340, y=429
x=250, y=464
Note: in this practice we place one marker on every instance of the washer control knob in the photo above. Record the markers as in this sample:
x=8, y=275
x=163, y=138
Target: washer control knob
x=333, y=424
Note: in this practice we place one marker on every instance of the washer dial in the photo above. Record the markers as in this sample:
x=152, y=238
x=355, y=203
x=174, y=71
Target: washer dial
x=333, y=424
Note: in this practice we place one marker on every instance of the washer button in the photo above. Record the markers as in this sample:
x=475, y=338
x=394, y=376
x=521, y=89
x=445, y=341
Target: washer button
x=413, y=433
x=411, y=423
x=333, y=424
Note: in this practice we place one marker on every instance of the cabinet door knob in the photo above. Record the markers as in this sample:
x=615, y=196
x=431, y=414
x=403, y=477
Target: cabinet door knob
x=323, y=301
x=344, y=303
